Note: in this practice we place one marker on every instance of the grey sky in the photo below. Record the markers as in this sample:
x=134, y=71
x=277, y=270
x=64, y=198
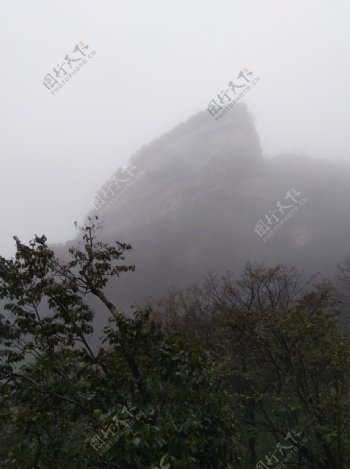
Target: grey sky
x=156, y=64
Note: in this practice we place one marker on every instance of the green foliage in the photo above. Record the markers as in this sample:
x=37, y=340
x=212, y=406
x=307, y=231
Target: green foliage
x=162, y=391
x=221, y=376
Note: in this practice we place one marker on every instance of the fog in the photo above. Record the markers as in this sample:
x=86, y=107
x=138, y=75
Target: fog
x=156, y=64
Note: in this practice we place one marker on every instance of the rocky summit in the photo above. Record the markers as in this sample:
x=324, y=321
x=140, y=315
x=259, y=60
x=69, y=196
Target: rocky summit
x=202, y=197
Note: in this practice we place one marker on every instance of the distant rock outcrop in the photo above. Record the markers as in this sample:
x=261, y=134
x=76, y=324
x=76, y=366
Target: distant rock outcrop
x=205, y=187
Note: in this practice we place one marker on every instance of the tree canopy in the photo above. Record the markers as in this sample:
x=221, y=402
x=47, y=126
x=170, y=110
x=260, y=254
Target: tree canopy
x=239, y=372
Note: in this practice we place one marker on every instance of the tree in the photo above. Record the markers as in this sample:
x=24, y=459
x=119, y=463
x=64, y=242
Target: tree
x=286, y=357
x=160, y=396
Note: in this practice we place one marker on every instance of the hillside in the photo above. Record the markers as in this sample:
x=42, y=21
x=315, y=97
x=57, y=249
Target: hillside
x=190, y=201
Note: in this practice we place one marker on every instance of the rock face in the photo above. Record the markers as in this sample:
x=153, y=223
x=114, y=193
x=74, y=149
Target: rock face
x=205, y=187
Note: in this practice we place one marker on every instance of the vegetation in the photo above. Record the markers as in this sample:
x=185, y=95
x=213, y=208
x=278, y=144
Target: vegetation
x=233, y=373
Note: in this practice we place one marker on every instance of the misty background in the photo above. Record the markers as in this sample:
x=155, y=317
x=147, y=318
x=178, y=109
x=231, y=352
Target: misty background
x=157, y=63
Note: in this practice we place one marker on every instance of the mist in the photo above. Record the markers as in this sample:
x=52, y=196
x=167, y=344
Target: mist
x=155, y=65
x=174, y=251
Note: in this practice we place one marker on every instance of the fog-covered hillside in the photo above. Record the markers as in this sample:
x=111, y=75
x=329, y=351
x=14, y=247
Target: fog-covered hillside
x=190, y=202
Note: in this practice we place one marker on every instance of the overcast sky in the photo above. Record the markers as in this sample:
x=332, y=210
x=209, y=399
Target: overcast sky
x=156, y=64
